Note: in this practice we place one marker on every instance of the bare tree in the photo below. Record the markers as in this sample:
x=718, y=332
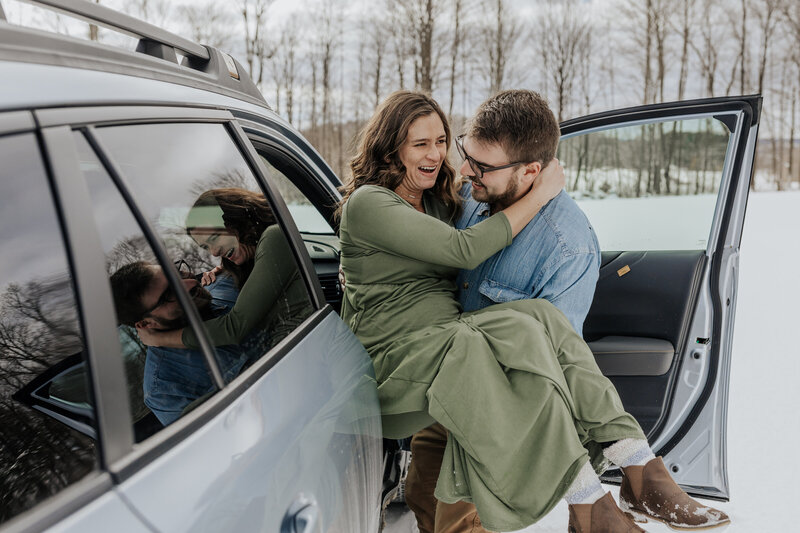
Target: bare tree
x=417, y=20
x=766, y=13
x=285, y=62
x=563, y=40
x=157, y=12
x=499, y=36
x=707, y=46
x=209, y=23
x=378, y=49
x=375, y=27
x=683, y=29
x=254, y=17
x=791, y=15
x=401, y=43
x=648, y=26
x=458, y=36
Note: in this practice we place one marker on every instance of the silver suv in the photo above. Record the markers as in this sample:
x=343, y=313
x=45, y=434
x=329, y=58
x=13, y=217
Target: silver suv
x=126, y=177
x=105, y=155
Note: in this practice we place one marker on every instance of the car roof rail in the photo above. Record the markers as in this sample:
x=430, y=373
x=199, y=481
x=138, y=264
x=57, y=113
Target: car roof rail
x=157, y=42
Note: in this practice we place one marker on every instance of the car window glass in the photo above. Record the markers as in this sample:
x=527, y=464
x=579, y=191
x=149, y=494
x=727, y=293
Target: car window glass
x=651, y=186
x=47, y=421
x=201, y=197
x=321, y=242
x=306, y=216
x=163, y=383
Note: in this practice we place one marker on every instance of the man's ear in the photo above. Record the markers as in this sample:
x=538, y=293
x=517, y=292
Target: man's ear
x=530, y=172
x=147, y=323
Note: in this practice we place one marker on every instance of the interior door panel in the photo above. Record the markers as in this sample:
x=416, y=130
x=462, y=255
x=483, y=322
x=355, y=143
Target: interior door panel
x=635, y=327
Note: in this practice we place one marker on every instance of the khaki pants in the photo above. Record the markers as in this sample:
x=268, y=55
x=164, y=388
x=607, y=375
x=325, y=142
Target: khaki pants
x=433, y=516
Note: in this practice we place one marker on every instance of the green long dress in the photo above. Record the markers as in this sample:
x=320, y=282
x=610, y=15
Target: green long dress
x=518, y=390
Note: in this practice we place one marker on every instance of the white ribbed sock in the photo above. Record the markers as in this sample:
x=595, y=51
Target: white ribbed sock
x=586, y=488
x=628, y=452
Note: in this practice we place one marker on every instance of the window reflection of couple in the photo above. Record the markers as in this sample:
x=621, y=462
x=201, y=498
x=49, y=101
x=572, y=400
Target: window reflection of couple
x=251, y=301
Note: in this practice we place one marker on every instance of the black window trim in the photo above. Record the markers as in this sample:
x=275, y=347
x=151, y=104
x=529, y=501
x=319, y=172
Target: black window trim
x=95, y=303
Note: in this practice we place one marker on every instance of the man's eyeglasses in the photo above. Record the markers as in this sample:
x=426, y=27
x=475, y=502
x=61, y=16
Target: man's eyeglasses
x=479, y=169
x=184, y=269
x=168, y=295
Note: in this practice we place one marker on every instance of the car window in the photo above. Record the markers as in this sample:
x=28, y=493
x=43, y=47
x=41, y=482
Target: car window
x=306, y=216
x=649, y=186
x=46, y=416
x=198, y=193
x=163, y=383
x=321, y=241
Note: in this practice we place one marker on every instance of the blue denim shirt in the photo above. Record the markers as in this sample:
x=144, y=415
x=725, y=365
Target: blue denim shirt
x=555, y=257
x=175, y=377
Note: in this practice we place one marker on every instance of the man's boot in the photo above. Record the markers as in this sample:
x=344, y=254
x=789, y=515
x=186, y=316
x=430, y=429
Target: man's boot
x=650, y=492
x=602, y=516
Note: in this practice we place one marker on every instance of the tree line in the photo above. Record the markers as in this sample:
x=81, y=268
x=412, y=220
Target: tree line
x=325, y=64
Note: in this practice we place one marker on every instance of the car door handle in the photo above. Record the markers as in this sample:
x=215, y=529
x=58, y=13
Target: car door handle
x=302, y=516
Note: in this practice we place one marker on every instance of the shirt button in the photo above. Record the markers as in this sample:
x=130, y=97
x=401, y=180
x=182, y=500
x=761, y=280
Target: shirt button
x=466, y=285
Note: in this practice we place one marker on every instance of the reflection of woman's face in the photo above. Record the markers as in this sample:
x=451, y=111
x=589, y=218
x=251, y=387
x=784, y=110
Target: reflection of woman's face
x=220, y=242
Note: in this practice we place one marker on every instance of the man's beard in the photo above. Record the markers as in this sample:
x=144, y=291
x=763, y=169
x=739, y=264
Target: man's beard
x=202, y=301
x=501, y=200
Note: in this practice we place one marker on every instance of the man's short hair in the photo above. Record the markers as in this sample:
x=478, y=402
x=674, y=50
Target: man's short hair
x=521, y=122
x=128, y=285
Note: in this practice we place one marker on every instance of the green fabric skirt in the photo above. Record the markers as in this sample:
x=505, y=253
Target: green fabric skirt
x=522, y=398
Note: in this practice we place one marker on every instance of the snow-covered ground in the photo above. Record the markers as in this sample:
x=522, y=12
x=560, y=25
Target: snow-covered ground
x=764, y=406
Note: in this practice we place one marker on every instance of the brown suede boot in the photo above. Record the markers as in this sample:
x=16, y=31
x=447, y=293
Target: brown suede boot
x=650, y=492
x=602, y=516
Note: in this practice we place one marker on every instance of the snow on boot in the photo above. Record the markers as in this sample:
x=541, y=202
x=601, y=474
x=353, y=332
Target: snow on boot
x=650, y=492
x=602, y=516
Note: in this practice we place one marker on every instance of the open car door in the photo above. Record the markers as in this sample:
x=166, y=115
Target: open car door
x=665, y=187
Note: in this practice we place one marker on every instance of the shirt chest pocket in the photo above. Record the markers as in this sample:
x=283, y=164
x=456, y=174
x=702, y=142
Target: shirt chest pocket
x=499, y=293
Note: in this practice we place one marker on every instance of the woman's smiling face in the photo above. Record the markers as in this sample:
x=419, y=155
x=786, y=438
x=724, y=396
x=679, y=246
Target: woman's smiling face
x=220, y=242
x=423, y=152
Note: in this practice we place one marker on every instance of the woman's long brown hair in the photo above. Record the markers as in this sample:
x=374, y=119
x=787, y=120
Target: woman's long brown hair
x=377, y=161
x=246, y=214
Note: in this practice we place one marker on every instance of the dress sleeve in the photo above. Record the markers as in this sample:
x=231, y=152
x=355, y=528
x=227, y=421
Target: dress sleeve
x=274, y=267
x=374, y=217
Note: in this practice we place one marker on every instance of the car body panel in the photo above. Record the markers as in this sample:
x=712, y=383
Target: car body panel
x=301, y=427
x=299, y=431
x=97, y=515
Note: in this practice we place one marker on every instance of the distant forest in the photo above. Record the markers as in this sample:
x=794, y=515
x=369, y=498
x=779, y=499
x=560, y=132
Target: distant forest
x=325, y=64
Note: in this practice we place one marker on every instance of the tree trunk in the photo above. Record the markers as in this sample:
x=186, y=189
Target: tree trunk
x=457, y=7
x=743, y=51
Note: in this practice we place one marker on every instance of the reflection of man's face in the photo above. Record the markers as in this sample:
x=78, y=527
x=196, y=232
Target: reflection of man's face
x=164, y=309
